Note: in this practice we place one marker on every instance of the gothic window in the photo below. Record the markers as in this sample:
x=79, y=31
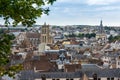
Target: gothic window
x=45, y=39
x=45, y=31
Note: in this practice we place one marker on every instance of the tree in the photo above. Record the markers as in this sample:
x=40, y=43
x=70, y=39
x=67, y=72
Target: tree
x=4, y=49
x=93, y=34
x=80, y=35
x=5, y=44
x=111, y=38
x=72, y=35
x=20, y=11
x=88, y=35
x=23, y=11
x=117, y=37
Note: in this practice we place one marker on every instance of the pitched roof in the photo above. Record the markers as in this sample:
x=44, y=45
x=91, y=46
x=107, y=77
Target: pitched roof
x=53, y=56
x=32, y=75
x=90, y=67
x=104, y=73
x=32, y=35
x=108, y=73
x=42, y=65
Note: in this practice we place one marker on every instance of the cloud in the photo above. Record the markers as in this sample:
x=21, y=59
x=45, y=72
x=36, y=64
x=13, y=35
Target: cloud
x=108, y=8
x=101, y=2
x=66, y=10
x=89, y=2
x=70, y=1
x=83, y=12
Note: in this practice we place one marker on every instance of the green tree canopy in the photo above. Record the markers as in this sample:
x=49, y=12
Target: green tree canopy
x=111, y=38
x=114, y=38
x=23, y=11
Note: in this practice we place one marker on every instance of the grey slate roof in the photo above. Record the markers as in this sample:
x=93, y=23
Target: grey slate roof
x=104, y=73
x=107, y=73
x=32, y=75
x=90, y=67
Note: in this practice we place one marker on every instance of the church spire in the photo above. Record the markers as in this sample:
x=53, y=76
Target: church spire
x=45, y=23
x=101, y=24
x=101, y=30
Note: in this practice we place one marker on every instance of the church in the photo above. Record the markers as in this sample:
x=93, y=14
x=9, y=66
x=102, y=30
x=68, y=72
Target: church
x=101, y=35
x=45, y=34
x=46, y=39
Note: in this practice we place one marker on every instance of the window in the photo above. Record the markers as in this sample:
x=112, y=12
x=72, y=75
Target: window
x=99, y=79
x=108, y=78
x=112, y=78
x=94, y=76
x=43, y=77
x=69, y=79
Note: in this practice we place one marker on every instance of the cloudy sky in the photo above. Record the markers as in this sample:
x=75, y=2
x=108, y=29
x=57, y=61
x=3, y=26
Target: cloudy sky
x=90, y=12
x=82, y=12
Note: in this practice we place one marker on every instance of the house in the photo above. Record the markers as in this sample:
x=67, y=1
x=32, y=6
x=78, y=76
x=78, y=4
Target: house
x=115, y=45
x=103, y=74
x=87, y=53
x=118, y=62
x=39, y=64
x=107, y=58
x=59, y=37
x=110, y=59
x=30, y=75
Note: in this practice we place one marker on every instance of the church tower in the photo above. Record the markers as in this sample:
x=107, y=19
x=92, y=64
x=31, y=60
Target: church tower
x=100, y=28
x=100, y=35
x=45, y=34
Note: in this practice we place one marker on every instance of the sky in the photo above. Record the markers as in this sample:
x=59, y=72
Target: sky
x=82, y=12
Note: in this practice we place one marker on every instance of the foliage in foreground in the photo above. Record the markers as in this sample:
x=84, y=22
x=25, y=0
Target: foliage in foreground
x=5, y=67
x=23, y=11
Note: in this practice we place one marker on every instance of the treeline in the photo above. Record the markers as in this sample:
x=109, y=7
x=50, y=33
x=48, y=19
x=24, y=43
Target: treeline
x=88, y=35
x=113, y=38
